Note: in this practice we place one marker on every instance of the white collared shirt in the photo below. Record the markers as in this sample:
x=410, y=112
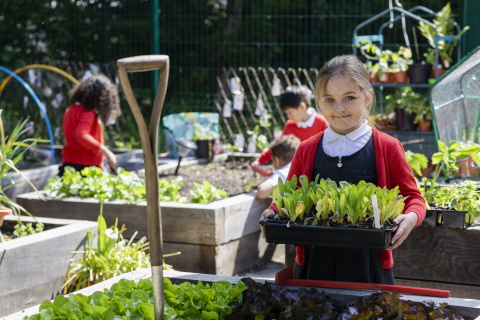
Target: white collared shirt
x=309, y=122
x=339, y=145
x=281, y=173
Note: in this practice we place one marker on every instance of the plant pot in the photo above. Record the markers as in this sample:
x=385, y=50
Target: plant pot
x=419, y=72
x=453, y=219
x=431, y=218
x=399, y=77
x=385, y=78
x=441, y=71
x=404, y=120
x=373, y=78
x=281, y=231
x=424, y=126
x=463, y=168
x=205, y=149
x=4, y=211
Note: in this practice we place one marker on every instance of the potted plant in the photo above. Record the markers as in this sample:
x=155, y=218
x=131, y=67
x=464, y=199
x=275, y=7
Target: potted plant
x=401, y=60
x=377, y=61
x=324, y=213
x=205, y=137
x=385, y=121
x=444, y=27
x=404, y=101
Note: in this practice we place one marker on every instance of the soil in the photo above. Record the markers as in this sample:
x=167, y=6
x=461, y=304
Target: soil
x=232, y=175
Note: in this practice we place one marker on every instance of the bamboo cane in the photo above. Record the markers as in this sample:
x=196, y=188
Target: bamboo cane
x=149, y=139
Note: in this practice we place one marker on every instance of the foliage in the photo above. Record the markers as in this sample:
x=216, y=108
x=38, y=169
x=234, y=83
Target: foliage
x=266, y=301
x=444, y=26
x=93, y=182
x=247, y=299
x=129, y=300
x=459, y=197
x=201, y=132
x=12, y=150
x=388, y=305
x=112, y=256
x=380, y=61
x=261, y=141
x=22, y=230
x=323, y=202
x=416, y=161
x=206, y=193
x=412, y=102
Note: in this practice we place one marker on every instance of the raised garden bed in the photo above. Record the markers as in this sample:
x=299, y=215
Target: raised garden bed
x=440, y=258
x=468, y=309
x=33, y=268
x=222, y=237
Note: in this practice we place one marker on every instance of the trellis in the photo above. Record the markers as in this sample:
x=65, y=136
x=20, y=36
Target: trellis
x=261, y=89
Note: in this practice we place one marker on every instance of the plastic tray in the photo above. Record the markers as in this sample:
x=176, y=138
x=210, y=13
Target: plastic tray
x=279, y=231
x=285, y=278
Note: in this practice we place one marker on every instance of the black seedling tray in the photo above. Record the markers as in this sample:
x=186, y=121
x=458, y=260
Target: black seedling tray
x=279, y=231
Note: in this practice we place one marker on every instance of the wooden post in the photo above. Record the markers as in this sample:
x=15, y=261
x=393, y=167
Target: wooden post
x=149, y=139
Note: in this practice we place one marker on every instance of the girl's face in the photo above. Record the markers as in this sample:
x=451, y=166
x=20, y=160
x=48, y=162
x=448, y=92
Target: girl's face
x=344, y=104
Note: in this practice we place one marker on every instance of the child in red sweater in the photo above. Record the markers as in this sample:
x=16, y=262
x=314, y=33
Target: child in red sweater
x=350, y=150
x=303, y=121
x=95, y=99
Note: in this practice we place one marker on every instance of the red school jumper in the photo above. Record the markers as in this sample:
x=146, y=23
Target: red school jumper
x=392, y=170
x=319, y=124
x=83, y=137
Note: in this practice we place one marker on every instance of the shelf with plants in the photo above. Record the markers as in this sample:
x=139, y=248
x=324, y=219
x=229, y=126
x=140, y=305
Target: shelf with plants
x=442, y=34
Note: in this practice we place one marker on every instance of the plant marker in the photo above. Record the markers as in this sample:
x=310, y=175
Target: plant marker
x=376, y=216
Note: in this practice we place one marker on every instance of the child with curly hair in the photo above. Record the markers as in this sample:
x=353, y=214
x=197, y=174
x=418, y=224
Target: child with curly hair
x=94, y=100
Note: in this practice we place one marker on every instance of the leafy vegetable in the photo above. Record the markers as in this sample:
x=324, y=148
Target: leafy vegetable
x=93, y=182
x=129, y=300
x=206, y=193
x=22, y=230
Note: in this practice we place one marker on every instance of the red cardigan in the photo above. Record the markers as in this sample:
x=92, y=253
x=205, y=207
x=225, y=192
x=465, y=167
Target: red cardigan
x=392, y=170
x=83, y=137
x=319, y=124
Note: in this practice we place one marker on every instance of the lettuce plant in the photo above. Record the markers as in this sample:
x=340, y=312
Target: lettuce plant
x=323, y=202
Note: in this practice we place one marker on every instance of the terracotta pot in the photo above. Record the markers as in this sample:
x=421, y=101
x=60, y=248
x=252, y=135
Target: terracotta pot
x=373, y=77
x=440, y=73
x=399, y=77
x=3, y=212
x=463, y=169
x=424, y=126
x=385, y=78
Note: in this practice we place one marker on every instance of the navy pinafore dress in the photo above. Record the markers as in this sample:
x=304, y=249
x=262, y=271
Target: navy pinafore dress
x=345, y=264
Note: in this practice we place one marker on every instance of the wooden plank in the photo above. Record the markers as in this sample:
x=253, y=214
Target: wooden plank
x=226, y=259
x=209, y=224
x=33, y=268
x=439, y=255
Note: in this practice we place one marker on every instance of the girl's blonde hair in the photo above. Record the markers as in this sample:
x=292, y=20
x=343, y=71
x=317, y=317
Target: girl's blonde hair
x=98, y=93
x=348, y=66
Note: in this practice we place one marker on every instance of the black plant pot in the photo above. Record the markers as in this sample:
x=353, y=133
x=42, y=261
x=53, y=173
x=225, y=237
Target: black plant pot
x=454, y=219
x=431, y=218
x=205, y=149
x=405, y=120
x=419, y=72
x=281, y=231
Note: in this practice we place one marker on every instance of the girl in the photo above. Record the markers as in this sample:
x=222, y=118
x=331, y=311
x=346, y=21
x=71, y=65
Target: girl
x=94, y=99
x=350, y=150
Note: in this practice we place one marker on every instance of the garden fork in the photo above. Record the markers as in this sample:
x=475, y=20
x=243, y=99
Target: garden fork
x=149, y=139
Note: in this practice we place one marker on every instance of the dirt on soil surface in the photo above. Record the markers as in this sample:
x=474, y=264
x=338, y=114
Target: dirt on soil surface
x=232, y=175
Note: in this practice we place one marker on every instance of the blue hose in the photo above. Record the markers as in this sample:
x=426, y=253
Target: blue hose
x=39, y=104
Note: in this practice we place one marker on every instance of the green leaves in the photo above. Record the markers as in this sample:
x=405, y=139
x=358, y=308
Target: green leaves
x=416, y=161
x=93, y=182
x=206, y=193
x=326, y=203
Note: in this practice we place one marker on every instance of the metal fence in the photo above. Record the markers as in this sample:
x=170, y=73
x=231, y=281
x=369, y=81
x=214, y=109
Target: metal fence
x=202, y=38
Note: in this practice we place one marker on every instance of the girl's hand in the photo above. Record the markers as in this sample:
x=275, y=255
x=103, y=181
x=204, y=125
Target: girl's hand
x=406, y=222
x=267, y=214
